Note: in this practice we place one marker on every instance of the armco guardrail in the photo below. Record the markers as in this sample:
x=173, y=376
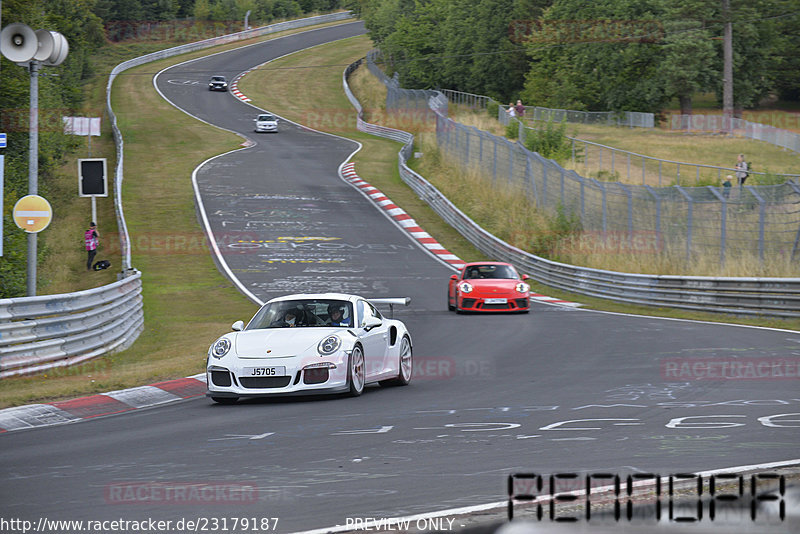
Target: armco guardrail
x=174, y=51
x=777, y=297
x=46, y=332
x=40, y=333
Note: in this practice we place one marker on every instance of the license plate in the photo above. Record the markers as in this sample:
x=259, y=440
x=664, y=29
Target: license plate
x=495, y=301
x=264, y=371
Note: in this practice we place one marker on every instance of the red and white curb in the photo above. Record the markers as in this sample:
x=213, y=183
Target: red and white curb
x=113, y=402
x=235, y=87
x=401, y=217
x=414, y=230
x=551, y=300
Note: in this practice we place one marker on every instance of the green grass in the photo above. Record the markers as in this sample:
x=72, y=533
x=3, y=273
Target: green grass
x=159, y=201
x=179, y=280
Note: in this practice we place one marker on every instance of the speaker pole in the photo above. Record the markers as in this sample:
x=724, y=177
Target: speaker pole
x=33, y=172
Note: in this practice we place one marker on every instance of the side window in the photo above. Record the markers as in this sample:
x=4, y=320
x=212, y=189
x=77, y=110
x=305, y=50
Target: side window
x=360, y=312
x=372, y=310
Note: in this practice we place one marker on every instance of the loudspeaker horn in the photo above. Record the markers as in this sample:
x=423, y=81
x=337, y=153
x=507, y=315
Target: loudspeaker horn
x=18, y=43
x=46, y=45
x=60, y=50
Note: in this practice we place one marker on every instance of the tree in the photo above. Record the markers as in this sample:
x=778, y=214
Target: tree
x=689, y=51
x=600, y=55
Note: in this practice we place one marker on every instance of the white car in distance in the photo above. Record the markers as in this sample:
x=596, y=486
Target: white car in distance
x=266, y=122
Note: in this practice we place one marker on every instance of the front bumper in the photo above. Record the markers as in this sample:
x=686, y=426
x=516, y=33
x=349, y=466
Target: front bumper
x=267, y=128
x=479, y=303
x=226, y=377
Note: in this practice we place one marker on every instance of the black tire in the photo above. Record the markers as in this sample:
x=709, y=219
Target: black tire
x=356, y=375
x=225, y=400
x=450, y=307
x=406, y=365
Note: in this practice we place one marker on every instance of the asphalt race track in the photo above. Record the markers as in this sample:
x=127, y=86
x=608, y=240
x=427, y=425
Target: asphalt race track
x=557, y=390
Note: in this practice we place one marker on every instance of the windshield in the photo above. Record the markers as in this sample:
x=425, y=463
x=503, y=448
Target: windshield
x=491, y=271
x=266, y=118
x=217, y=78
x=303, y=313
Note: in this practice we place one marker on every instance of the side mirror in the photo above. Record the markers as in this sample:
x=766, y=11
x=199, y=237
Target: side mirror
x=371, y=322
x=526, y=277
x=453, y=277
x=238, y=326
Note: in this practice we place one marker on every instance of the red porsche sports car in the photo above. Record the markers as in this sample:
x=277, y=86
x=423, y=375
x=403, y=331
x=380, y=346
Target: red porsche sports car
x=488, y=286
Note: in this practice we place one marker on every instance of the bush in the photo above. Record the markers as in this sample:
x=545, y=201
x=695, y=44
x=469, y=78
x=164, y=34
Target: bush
x=550, y=141
x=492, y=109
x=561, y=227
x=512, y=129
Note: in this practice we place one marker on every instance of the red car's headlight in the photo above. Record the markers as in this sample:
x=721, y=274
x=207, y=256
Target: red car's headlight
x=465, y=287
x=522, y=287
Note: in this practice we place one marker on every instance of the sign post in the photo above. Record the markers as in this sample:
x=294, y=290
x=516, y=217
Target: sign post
x=92, y=180
x=3, y=144
x=88, y=126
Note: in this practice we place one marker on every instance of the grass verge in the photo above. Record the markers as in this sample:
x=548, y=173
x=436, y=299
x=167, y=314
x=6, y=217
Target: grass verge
x=180, y=281
x=159, y=202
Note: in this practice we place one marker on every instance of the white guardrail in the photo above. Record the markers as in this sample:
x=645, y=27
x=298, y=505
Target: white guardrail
x=775, y=297
x=41, y=333
x=51, y=331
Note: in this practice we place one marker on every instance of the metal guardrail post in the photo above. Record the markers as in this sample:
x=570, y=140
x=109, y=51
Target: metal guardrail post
x=689, y=213
x=657, y=200
x=723, y=222
x=761, y=217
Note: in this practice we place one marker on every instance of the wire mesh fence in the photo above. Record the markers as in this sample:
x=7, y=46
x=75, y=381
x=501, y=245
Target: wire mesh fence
x=740, y=127
x=724, y=222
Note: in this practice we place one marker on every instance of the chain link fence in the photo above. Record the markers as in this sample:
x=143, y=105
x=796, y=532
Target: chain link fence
x=740, y=127
x=759, y=221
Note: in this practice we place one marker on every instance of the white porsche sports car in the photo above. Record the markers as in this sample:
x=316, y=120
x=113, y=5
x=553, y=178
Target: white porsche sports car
x=306, y=344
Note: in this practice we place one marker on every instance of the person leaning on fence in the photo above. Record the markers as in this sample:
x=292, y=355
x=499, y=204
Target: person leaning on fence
x=520, y=109
x=741, y=169
x=91, y=240
x=511, y=111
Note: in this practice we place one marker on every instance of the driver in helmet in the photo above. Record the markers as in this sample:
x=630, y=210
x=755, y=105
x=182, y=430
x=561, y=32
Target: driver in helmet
x=336, y=315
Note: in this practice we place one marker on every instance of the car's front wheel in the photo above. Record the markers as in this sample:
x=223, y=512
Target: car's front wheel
x=356, y=373
x=450, y=307
x=406, y=364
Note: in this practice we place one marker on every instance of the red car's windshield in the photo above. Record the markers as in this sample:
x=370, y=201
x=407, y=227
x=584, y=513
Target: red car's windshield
x=490, y=271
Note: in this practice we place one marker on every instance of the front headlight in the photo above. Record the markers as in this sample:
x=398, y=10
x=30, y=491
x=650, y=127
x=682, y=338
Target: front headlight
x=465, y=287
x=221, y=347
x=522, y=287
x=329, y=345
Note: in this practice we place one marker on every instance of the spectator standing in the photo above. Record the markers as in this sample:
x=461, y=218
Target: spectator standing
x=741, y=169
x=91, y=240
x=511, y=111
x=520, y=109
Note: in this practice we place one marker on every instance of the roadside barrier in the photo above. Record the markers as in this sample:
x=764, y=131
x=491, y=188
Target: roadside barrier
x=774, y=297
x=45, y=332
x=53, y=331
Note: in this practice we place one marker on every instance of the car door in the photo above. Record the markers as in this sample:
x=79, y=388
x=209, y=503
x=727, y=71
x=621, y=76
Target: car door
x=374, y=340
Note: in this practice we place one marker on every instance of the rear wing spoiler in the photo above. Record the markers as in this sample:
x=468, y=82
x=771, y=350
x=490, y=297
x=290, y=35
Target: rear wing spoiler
x=392, y=302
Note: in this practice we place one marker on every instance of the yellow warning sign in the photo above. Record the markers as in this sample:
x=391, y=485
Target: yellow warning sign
x=32, y=213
